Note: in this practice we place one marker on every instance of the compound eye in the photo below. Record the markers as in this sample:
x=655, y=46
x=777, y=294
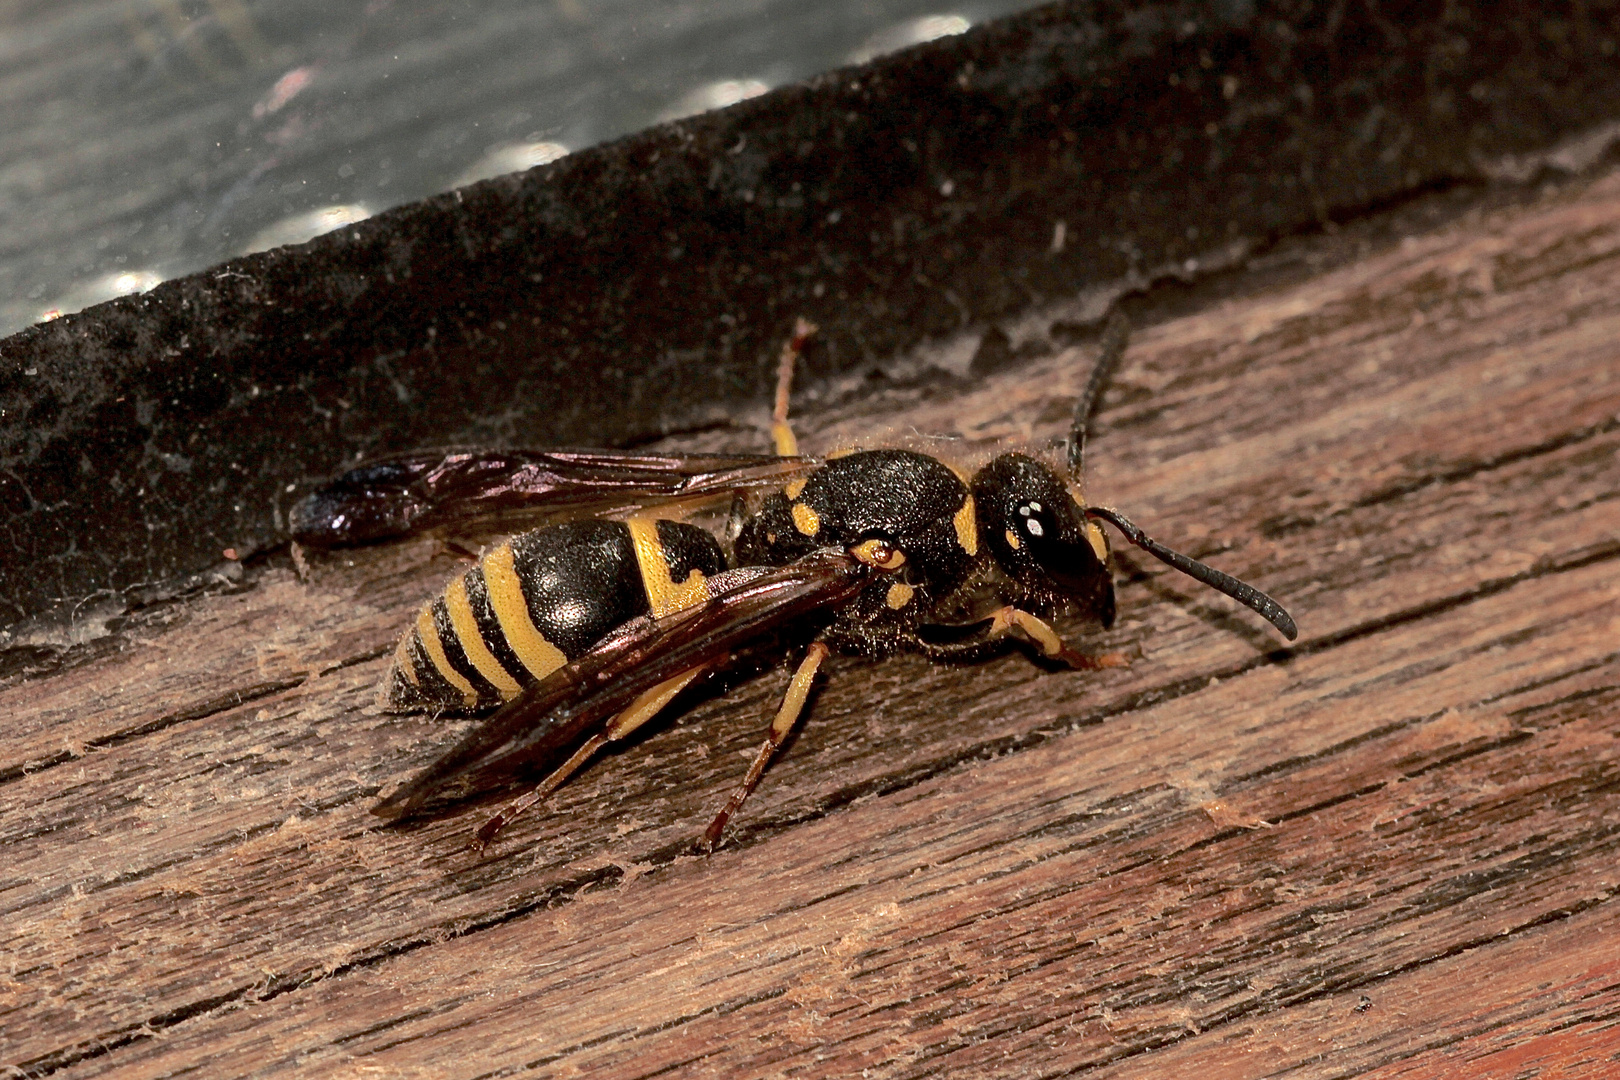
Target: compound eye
x=879, y=553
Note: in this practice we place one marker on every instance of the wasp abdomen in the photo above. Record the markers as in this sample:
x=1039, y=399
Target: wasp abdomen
x=540, y=600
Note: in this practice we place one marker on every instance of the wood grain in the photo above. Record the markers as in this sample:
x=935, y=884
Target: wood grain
x=1389, y=850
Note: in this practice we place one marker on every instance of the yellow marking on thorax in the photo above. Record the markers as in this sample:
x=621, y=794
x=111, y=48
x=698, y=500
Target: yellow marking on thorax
x=429, y=633
x=472, y=642
x=806, y=520
x=664, y=594
x=404, y=663
x=843, y=451
x=899, y=595
x=537, y=654
x=1013, y=541
x=795, y=489
x=967, y=527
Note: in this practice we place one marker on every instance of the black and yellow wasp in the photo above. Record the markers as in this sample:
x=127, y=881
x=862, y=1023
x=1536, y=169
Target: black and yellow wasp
x=574, y=634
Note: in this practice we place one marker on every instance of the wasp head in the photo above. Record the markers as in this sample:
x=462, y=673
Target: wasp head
x=1041, y=539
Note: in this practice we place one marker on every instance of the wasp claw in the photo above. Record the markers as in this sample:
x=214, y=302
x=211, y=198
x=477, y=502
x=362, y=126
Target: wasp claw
x=713, y=835
x=486, y=834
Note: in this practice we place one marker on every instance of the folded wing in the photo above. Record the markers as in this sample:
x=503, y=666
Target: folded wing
x=432, y=489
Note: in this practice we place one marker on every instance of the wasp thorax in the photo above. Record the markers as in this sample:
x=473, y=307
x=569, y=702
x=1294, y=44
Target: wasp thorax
x=910, y=504
x=1038, y=535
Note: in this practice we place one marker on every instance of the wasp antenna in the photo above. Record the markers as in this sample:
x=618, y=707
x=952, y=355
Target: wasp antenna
x=1116, y=333
x=1245, y=594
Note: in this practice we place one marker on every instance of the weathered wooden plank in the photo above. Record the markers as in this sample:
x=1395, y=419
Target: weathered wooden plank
x=1069, y=905
x=1027, y=704
x=1550, y=1011
x=1417, y=451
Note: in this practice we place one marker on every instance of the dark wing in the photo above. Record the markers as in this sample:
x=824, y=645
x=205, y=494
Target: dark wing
x=748, y=604
x=434, y=488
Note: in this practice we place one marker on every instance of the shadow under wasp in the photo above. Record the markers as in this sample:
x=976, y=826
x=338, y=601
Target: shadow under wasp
x=573, y=635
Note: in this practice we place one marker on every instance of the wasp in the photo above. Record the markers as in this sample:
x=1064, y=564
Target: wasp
x=572, y=635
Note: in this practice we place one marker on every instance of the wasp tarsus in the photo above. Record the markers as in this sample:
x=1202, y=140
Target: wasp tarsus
x=577, y=633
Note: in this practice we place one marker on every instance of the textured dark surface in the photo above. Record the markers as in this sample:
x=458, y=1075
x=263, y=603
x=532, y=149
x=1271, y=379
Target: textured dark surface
x=641, y=285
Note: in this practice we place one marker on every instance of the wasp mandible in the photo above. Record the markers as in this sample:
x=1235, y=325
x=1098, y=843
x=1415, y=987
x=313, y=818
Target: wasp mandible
x=574, y=634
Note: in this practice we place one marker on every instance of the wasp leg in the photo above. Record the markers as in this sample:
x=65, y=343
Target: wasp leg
x=781, y=432
x=1053, y=647
x=792, y=706
x=1004, y=622
x=967, y=651
x=641, y=710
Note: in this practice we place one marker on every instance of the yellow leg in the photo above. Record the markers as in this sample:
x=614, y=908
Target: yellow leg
x=1053, y=647
x=792, y=706
x=643, y=709
x=781, y=433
